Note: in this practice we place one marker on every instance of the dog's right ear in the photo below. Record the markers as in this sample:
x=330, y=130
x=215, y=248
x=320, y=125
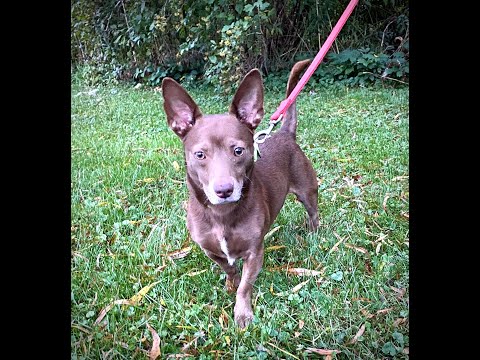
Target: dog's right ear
x=180, y=108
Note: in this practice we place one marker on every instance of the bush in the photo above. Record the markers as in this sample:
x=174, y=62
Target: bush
x=218, y=41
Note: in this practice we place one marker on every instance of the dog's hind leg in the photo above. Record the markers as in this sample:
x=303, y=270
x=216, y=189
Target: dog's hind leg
x=309, y=200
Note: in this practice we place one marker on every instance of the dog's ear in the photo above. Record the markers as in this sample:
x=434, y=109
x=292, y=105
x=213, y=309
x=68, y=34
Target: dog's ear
x=247, y=104
x=180, y=108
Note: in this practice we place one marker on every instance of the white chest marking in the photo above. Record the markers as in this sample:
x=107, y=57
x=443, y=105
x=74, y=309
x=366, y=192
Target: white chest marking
x=223, y=246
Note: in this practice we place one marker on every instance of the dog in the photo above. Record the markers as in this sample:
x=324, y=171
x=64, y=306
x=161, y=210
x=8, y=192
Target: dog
x=233, y=200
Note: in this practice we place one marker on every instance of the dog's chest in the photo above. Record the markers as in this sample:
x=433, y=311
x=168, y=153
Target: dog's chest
x=220, y=237
x=227, y=243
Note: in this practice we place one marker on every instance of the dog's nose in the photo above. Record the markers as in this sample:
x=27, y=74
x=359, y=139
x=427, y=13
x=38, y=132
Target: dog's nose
x=223, y=188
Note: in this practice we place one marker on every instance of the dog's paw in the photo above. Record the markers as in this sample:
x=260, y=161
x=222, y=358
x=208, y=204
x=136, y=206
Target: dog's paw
x=232, y=284
x=243, y=315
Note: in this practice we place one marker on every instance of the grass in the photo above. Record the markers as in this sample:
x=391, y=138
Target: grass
x=128, y=225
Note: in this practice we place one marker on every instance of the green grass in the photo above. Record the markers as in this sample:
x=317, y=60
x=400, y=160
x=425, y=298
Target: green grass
x=127, y=196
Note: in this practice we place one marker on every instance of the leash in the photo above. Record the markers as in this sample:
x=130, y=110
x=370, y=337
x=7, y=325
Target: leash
x=261, y=136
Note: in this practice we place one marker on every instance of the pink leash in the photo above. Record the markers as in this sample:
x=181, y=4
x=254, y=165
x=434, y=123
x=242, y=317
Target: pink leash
x=284, y=105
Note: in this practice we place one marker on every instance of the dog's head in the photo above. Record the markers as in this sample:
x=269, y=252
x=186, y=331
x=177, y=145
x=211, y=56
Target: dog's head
x=218, y=148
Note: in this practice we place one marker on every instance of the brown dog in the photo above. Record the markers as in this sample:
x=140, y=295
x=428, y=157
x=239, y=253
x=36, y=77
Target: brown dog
x=233, y=200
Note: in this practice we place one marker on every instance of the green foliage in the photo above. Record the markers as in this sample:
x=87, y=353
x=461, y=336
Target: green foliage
x=218, y=41
x=362, y=67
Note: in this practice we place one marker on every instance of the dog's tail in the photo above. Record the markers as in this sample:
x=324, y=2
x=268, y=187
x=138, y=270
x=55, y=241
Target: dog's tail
x=289, y=121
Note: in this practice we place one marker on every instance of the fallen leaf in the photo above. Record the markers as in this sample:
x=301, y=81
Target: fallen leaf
x=400, y=292
x=275, y=247
x=383, y=311
x=402, y=177
x=148, y=180
x=368, y=267
x=361, y=299
x=385, y=202
x=194, y=273
x=406, y=350
x=301, y=324
x=377, y=249
x=357, y=248
x=179, y=253
x=293, y=290
x=299, y=286
x=366, y=314
x=271, y=290
x=223, y=320
x=155, y=350
x=227, y=340
x=176, y=166
x=135, y=299
x=399, y=321
x=323, y=351
x=358, y=334
x=303, y=272
x=296, y=334
x=160, y=268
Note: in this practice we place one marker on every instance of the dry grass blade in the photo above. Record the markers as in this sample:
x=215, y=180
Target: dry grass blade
x=109, y=307
x=304, y=272
x=134, y=300
x=275, y=247
x=81, y=328
x=357, y=248
x=178, y=254
x=335, y=247
x=282, y=350
x=194, y=273
x=271, y=232
x=383, y=311
x=322, y=351
x=155, y=350
x=358, y=334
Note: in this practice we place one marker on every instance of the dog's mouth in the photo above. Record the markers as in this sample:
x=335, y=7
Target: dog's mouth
x=219, y=193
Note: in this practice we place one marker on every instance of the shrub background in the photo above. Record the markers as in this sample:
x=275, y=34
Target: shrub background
x=218, y=41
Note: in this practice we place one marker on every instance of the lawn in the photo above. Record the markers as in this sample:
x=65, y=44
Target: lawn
x=136, y=275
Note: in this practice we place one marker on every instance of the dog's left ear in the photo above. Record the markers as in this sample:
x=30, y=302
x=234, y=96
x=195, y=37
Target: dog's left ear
x=247, y=104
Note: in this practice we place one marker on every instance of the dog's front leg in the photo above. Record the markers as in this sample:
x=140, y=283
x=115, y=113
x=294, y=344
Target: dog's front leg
x=233, y=278
x=252, y=265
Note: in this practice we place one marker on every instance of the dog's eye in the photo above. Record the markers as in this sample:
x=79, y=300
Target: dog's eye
x=238, y=151
x=200, y=155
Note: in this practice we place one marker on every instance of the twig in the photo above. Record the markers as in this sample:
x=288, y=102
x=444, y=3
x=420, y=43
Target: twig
x=383, y=35
x=383, y=77
x=318, y=26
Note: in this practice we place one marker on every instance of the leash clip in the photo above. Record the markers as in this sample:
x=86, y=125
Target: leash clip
x=261, y=136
